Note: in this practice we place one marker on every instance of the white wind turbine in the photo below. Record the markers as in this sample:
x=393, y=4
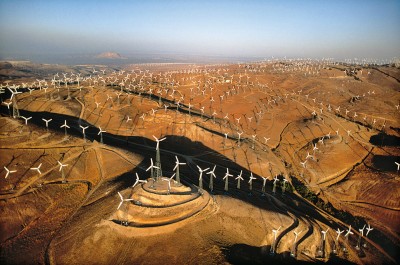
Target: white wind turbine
x=9, y=172
x=338, y=232
x=151, y=168
x=13, y=98
x=239, y=134
x=321, y=250
x=169, y=183
x=201, y=176
x=296, y=235
x=369, y=229
x=398, y=166
x=8, y=106
x=37, y=169
x=346, y=236
x=83, y=131
x=122, y=200
x=47, y=123
x=254, y=141
x=158, y=160
x=309, y=156
x=177, y=164
x=212, y=176
x=293, y=250
x=26, y=119
x=226, y=178
x=284, y=185
x=239, y=178
x=62, y=170
x=65, y=126
x=276, y=179
x=138, y=181
x=251, y=181
x=315, y=148
x=226, y=137
x=358, y=246
x=275, y=232
x=101, y=134
x=263, y=186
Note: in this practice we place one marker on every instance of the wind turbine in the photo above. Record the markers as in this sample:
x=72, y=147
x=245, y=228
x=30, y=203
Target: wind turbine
x=263, y=186
x=358, y=246
x=158, y=161
x=239, y=178
x=122, y=200
x=212, y=176
x=398, y=166
x=201, y=176
x=293, y=251
x=101, y=134
x=315, y=148
x=369, y=229
x=239, y=134
x=151, y=167
x=8, y=106
x=62, y=170
x=226, y=178
x=309, y=156
x=226, y=137
x=284, y=185
x=37, y=169
x=13, y=98
x=276, y=179
x=177, y=164
x=169, y=183
x=321, y=250
x=83, y=131
x=274, y=231
x=9, y=172
x=138, y=181
x=251, y=181
x=26, y=119
x=65, y=126
x=346, y=236
x=47, y=123
x=338, y=232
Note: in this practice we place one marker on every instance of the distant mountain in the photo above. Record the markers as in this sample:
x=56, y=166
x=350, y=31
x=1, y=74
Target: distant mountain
x=109, y=55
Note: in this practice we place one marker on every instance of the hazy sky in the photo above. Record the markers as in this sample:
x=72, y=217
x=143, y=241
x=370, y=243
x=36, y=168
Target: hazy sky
x=300, y=28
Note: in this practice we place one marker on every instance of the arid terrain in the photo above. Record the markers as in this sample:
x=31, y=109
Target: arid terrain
x=299, y=149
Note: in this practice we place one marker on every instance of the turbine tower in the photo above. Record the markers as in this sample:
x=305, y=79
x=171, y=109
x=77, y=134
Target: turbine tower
x=158, y=160
x=293, y=250
x=274, y=231
x=177, y=164
x=14, y=102
x=360, y=236
x=274, y=184
x=201, y=176
x=212, y=176
x=369, y=229
x=336, y=248
x=226, y=178
x=321, y=251
x=62, y=170
x=151, y=168
x=346, y=236
x=251, y=182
